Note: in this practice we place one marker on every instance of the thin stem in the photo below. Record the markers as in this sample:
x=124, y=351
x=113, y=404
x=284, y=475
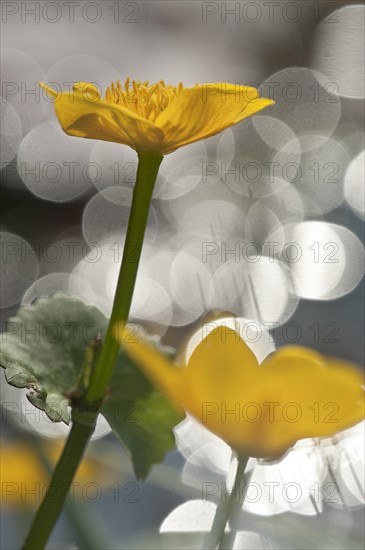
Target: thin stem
x=146, y=176
x=85, y=413
x=232, y=508
x=54, y=499
x=90, y=533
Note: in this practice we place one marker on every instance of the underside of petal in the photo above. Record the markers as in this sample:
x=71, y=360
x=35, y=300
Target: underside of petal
x=90, y=117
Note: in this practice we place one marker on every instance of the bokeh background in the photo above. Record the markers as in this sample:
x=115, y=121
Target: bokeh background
x=261, y=225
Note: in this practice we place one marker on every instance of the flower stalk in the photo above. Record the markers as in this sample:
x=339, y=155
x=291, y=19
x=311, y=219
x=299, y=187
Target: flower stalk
x=86, y=409
x=148, y=166
x=54, y=499
x=229, y=513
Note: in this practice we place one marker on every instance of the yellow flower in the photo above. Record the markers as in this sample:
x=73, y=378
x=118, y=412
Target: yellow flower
x=260, y=410
x=154, y=118
x=24, y=478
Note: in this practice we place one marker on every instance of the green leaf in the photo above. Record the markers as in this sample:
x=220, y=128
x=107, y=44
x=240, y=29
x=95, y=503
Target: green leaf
x=44, y=350
x=140, y=416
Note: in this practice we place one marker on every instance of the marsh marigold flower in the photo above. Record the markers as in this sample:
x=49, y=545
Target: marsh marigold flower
x=260, y=410
x=154, y=118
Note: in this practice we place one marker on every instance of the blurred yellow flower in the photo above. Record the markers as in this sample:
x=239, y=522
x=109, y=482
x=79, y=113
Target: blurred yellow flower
x=24, y=478
x=260, y=410
x=154, y=118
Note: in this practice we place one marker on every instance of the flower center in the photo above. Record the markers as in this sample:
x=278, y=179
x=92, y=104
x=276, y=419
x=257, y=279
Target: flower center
x=144, y=100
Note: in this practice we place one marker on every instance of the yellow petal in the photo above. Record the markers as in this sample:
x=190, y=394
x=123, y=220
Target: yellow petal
x=205, y=110
x=289, y=357
x=222, y=375
x=346, y=391
x=220, y=366
x=331, y=399
x=162, y=372
x=315, y=398
x=84, y=115
x=49, y=90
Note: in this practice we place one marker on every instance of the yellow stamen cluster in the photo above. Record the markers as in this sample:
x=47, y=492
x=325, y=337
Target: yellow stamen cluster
x=144, y=100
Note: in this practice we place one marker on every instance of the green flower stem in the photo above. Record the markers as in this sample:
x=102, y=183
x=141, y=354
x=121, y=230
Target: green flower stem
x=146, y=177
x=85, y=413
x=54, y=499
x=231, y=510
x=89, y=531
